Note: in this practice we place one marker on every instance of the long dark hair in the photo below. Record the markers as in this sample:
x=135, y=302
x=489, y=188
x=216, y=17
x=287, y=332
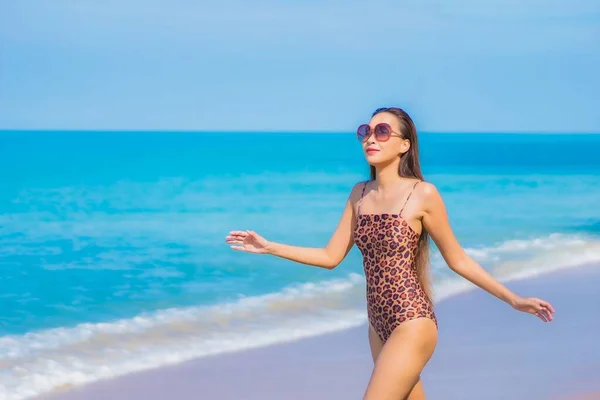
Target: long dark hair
x=410, y=168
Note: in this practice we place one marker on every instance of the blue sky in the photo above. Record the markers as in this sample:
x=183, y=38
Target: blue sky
x=511, y=65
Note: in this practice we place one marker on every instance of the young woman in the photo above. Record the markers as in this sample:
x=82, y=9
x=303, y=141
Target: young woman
x=390, y=218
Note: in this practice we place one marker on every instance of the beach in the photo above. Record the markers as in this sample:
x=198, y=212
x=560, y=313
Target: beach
x=486, y=350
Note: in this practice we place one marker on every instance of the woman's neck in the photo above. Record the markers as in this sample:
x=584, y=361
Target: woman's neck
x=387, y=177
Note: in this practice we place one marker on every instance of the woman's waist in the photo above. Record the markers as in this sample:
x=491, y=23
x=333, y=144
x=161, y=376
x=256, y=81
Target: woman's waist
x=385, y=250
x=396, y=268
x=417, y=301
x=380, y=283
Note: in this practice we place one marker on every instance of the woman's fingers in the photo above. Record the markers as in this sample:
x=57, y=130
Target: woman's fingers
x=545, y=309
x=247, y=241
x=236, y=240
x=544, y=313
x=547, y=314
x=541, y=315
x=244, y=248
x=236, y=237
x=547, y=305
x=238, y=233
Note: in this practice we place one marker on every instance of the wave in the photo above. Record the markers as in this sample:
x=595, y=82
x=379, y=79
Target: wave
x=39, y=362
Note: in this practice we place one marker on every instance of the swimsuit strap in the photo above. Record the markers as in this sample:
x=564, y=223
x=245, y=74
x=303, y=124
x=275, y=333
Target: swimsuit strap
x=411, y=192
x=361, y=197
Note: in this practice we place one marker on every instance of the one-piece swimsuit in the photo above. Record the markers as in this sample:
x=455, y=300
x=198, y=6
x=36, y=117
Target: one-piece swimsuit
x=394, y=292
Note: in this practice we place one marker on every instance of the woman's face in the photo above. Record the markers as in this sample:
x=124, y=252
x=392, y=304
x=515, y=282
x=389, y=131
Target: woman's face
x=381, y=139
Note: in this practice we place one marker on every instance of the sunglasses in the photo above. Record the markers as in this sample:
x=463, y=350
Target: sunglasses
x=382, y=132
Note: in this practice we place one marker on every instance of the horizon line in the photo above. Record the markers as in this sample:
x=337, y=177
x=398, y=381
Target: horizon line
x=470, y=132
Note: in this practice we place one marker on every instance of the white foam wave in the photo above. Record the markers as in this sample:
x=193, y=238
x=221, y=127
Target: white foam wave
x=39, y=362
x=521, y=259
x=527, y=247
x=568, y=255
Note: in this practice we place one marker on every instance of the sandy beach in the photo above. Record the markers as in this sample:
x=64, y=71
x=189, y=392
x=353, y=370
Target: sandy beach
x=486, y=350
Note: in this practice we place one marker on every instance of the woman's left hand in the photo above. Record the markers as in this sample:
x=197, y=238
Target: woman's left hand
x=540, y=308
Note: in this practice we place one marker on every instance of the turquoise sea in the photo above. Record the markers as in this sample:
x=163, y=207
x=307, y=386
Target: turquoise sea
x=112, y=244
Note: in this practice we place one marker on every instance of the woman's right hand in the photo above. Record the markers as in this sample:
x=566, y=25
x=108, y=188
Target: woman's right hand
x=248, y=241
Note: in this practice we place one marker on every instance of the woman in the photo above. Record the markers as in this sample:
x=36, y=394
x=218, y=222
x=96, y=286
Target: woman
x=389, y=218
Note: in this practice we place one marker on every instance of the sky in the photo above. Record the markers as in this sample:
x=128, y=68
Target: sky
x=455, y=66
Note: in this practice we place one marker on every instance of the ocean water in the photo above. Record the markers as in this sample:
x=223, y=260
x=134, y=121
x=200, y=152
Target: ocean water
x=112, y=251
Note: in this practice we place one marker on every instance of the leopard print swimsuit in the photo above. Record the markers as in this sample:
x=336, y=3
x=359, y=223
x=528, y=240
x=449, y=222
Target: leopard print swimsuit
x=394, y=293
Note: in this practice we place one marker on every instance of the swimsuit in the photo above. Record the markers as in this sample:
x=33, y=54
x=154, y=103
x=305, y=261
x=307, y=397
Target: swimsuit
x=394, y=292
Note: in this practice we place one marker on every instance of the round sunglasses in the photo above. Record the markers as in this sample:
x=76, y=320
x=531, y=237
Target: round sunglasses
x=382, y=132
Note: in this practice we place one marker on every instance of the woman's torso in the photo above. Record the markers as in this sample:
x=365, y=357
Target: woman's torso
x=389, y=246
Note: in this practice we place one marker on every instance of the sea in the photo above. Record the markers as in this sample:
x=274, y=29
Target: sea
x=112, y=244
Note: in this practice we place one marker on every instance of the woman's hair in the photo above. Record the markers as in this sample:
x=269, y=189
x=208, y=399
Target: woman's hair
x=410, y=168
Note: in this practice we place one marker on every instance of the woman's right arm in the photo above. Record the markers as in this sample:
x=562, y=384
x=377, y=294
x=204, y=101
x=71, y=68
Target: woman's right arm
x=327, y=257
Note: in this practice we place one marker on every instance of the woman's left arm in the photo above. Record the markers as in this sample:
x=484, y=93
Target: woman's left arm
x=435, y=221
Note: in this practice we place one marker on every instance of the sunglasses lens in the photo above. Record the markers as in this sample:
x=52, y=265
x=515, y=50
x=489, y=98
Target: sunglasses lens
x=362, y=132
x=383, y=132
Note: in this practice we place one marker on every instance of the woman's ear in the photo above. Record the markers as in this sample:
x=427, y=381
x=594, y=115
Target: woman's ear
x=405, y=146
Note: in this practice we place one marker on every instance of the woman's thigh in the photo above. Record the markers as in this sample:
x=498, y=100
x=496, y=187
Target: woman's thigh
x=399, y=362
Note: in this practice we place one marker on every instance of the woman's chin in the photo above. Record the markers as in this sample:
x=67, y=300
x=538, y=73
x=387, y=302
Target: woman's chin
x=374, y=160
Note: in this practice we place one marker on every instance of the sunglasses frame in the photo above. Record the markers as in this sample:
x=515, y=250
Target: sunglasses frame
x=380, y=137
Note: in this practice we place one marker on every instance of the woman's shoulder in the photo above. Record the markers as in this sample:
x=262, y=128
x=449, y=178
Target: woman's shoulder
x=425, y=188
x=427, y=193
x=360, y=185
x=359, y=189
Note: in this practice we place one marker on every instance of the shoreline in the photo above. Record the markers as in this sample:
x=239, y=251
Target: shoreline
x=277, y=366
